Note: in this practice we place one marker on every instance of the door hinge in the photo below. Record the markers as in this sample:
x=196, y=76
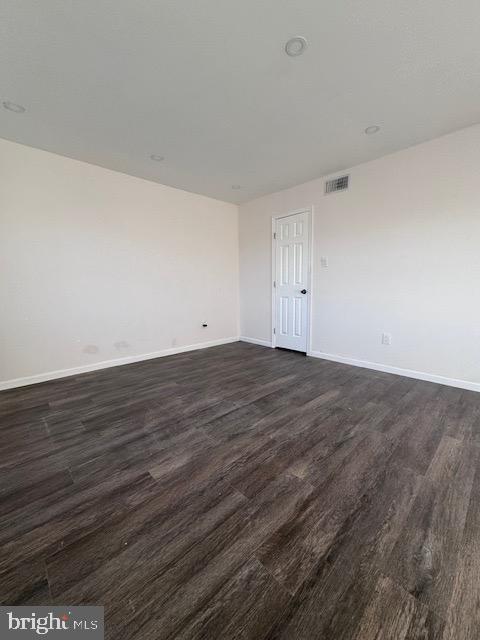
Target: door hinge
x=274, y=284
x=274, y=331
x=274, y=235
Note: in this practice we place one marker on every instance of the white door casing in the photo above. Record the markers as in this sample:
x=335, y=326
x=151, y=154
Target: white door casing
x=292, y=281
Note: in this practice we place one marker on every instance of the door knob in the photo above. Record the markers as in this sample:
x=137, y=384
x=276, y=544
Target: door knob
x=303, y=291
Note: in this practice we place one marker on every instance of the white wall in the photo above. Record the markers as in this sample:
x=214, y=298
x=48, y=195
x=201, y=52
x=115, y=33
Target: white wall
x=96, y=265
x=404, y=257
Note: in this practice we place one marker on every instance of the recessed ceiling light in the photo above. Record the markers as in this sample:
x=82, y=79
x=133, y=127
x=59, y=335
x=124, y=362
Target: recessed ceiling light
x=372, y=129
x=295, y=46
x=156, y=157
x=236, y=186
x=11, y=106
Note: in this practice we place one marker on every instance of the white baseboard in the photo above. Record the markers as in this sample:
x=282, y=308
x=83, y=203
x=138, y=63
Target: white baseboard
x=64, y=373
x=263, y=343
x=408, y=373
x=117, y=362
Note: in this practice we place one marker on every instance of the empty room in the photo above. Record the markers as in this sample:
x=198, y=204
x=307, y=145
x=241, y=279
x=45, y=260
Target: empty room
x=240, y=320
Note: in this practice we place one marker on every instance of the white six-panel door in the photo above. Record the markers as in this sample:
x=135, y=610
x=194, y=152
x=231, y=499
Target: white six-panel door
x=291, y=281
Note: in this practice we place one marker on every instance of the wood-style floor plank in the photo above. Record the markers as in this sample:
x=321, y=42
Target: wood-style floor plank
x=245, y=607
x=425, y=558
x=463, y=616
x=393, y=613
x=245, y=492
x=333, y=597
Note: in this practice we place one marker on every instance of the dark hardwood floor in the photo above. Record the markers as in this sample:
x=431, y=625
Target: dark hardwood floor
x=243, y=492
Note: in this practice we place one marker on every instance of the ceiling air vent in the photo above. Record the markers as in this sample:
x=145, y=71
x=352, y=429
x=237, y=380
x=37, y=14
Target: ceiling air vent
x=336, y=184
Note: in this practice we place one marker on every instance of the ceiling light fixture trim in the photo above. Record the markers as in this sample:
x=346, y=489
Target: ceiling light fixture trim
x=296, y=46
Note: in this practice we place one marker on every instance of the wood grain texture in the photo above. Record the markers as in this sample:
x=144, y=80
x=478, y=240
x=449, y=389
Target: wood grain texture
x=393, y=613
x=425, y=558
x=463, y=616
x=245, y=492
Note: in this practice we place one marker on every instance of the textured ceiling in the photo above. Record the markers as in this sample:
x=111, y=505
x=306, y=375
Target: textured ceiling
x=208, y=85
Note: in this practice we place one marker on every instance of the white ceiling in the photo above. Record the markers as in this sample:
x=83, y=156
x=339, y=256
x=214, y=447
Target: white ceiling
x=206, y=83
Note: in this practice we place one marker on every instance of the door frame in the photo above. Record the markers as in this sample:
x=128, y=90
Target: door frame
x=309, y=212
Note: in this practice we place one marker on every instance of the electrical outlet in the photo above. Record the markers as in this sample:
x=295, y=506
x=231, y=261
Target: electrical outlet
x=324, y=261
x=386, y=338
